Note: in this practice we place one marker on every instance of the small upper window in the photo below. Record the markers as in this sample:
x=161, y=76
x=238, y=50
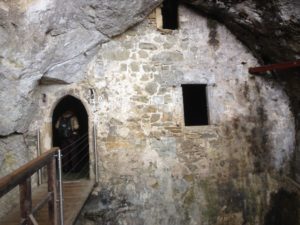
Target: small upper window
x=170, y=14
x=195, y=104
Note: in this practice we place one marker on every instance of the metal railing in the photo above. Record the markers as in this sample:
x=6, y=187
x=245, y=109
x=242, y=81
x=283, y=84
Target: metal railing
x=22, y=177
x=291, y=181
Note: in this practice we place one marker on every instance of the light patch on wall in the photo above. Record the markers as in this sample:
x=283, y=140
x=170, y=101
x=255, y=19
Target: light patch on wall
x=34, y=7
x=4, y=6
x=196, y=76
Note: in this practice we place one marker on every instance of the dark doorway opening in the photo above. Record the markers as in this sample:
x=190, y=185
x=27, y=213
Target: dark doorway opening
x=284, y=209
x=195, y=104
x=170, y=14
x=70, y=134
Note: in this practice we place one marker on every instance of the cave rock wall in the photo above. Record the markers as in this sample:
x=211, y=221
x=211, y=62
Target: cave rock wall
x=51, y=41
x=152, y=168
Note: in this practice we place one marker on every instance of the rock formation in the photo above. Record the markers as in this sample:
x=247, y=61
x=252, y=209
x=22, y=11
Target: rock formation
x=223, y=171
x=44, y=42
x=270, y=29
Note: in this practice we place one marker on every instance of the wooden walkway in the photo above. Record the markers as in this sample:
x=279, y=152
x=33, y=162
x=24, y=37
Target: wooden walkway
x=75, y=195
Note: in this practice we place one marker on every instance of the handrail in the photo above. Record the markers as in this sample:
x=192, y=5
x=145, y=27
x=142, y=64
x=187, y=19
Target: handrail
x=22, y=177
x=18, y=176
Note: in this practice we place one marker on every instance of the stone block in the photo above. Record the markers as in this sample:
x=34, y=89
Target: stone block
x=167, y=117
x=147, y=46
x=123, y=67
x=157, y=100
x=147, y=68
x=135, y=67
x=165, y=147
x=140, y=98
x=143, y=54
x=117, y=55
x=155, y=118
x=167, y=57
x=151, y=88
x=145, y=77
x=150, y=109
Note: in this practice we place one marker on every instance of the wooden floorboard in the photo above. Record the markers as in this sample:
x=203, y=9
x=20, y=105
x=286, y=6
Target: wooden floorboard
x=75, y=195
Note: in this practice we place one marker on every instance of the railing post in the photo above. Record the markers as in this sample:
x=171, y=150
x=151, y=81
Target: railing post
x=25, y=202
x=39, y=172
x=52, y=206
x=95, y=153
x=61, y=194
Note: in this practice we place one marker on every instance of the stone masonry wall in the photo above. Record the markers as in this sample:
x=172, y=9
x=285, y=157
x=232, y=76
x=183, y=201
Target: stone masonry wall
x=154, y=169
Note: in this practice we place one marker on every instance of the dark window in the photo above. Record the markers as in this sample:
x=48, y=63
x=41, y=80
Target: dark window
x=195, y=104
x=170, y=14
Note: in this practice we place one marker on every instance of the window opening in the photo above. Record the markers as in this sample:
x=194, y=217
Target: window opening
x=195, y=104
x=170, y=14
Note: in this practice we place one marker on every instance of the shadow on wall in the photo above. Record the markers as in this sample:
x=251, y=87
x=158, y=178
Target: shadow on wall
x=284, y=209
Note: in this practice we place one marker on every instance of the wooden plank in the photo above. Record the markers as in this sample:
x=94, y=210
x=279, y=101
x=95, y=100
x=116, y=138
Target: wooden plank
x=43, y=201
x=18, y=176
x=75, y=196
x=25, y=202
x=271, y=67
x=73, y=205
x=52, y=206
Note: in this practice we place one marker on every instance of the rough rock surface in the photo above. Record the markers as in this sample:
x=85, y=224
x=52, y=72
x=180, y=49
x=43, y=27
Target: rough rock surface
x=152, y=168
x=106, y=208
x=14, y=152
x=164, y=169
x=52, y=41
x=270, y=29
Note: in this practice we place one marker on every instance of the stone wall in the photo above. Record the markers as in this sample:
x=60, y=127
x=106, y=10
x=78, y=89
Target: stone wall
x=51, y=42
x=153, y=168
x=13, y=154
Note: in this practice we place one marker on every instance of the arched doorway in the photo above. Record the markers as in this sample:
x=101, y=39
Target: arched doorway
x=70, y=134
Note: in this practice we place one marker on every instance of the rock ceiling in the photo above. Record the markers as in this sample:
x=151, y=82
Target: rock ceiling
x=270, y=29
